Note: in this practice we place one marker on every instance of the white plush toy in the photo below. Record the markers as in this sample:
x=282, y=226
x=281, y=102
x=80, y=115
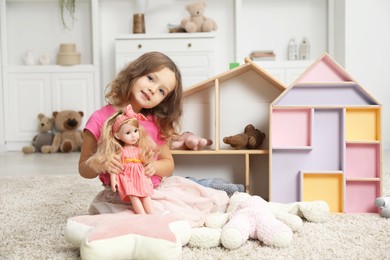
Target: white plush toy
x=290, y=214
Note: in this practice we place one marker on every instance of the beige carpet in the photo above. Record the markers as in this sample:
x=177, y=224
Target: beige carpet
x=33, y=213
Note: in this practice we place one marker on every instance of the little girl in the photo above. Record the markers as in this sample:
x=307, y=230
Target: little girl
x=152, y=85
x=122, y=134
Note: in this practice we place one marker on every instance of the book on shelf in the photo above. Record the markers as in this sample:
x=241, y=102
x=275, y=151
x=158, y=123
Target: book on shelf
x=262, y=55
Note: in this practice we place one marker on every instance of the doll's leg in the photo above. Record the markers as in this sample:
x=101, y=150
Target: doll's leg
x=137, y=205
x=114, y=182
x=147, y=203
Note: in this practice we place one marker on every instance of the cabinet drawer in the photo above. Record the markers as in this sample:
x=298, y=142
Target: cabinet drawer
x=185, y=61
x=164, y=45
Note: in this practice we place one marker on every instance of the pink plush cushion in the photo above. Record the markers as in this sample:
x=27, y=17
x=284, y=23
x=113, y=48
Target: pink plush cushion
x=127, y=236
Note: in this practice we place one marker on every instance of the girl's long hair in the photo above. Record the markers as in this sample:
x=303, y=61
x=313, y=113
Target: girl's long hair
x=168, y=113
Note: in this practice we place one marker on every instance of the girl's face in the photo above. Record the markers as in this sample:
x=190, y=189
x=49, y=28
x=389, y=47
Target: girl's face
x=128, y=134
x=149, y=90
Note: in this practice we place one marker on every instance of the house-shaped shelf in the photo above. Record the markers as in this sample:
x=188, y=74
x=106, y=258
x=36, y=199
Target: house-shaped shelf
x=224, y=104
x=326, y=141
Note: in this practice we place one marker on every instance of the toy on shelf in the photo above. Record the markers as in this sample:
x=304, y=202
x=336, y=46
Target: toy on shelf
x=45, y=136
x=197, y=22
x=68, y=137
x=383, y=203
x=252, y=138
x=220, y=184
x=189, y=141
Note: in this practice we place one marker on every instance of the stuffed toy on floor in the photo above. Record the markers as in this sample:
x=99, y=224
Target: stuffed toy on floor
x=68, y=137
x=126, y=235
x=45, y=136
x=383, y=203
x=217, y=230
x=220, y=184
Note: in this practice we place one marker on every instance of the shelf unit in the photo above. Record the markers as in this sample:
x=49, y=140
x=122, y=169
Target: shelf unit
x=262, y=89
x=32, y=89
x=327, y=111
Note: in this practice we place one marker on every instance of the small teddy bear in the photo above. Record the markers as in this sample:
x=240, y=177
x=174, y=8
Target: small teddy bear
x=45, y=136
x=220, y=184
x=189, y=141
x=68, y=137
x=384, y=205
x=197, y=22
x=252, y=138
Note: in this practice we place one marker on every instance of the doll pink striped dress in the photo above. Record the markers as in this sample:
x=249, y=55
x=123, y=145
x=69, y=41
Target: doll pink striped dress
x=132, y=181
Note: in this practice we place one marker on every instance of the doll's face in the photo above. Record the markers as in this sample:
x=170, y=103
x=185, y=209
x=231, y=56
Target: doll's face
x=128, y=134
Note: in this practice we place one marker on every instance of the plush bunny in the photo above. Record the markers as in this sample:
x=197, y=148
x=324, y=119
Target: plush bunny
x=291, y=214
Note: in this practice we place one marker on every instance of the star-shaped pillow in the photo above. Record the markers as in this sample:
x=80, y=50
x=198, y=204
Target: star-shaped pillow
x=126, y=235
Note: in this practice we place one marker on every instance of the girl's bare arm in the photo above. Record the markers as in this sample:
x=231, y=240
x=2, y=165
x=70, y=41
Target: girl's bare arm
x=88, y=148
x=164, y=165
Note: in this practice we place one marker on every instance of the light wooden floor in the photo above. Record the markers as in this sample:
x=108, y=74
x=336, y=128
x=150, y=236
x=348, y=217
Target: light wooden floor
x=19, y=164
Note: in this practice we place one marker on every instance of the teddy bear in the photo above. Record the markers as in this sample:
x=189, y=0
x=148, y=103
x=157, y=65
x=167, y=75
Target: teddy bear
x=384, y=205
x=44, y=137
x=68, y=137
x=189, y=141
x=252, y=138
x=291, y=214
x=220, y=184
x=197, y=22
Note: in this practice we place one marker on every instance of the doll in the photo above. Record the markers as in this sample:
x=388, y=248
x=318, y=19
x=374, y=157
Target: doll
x=123, y=134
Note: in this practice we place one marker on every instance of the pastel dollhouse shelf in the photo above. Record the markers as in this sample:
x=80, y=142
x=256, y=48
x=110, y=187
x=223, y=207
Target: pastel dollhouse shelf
x=328, y=111
x=323, y=133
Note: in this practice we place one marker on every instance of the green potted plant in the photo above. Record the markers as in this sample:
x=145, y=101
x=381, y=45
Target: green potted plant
x=70, y=7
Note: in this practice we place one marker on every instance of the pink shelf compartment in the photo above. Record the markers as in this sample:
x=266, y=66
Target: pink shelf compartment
x=291, y=128
x=360, y=196
x=362, y=160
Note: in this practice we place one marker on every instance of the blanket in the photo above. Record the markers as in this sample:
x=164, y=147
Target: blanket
x=117, y=233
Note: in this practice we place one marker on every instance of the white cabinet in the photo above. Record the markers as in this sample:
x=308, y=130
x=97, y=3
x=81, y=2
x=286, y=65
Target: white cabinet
x=30, y=90
x=193, y=53
x=28, y=93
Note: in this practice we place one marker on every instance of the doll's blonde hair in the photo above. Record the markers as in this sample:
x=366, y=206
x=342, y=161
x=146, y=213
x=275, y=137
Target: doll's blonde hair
x=109, y=146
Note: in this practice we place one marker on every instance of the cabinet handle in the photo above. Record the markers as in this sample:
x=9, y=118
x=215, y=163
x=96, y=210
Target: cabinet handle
x=189, y=45
x=139, y=46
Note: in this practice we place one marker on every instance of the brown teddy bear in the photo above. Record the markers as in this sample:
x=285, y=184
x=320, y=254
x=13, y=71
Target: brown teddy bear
x=252, y=138
x=68, y=137
x=189, y=141
x=197, y=22
x=45, y=136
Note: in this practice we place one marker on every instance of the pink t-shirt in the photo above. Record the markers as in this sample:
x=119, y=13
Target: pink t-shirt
x=95, y=124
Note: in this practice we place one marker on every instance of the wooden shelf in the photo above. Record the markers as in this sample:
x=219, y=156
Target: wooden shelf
x=217, y=152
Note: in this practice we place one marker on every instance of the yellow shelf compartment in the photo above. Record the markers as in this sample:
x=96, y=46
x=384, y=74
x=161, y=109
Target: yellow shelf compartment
x=363, y=124
x=326, y=185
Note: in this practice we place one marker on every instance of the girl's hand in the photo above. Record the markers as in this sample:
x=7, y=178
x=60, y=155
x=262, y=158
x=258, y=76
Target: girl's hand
x=150, y=170
x=115, y=166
